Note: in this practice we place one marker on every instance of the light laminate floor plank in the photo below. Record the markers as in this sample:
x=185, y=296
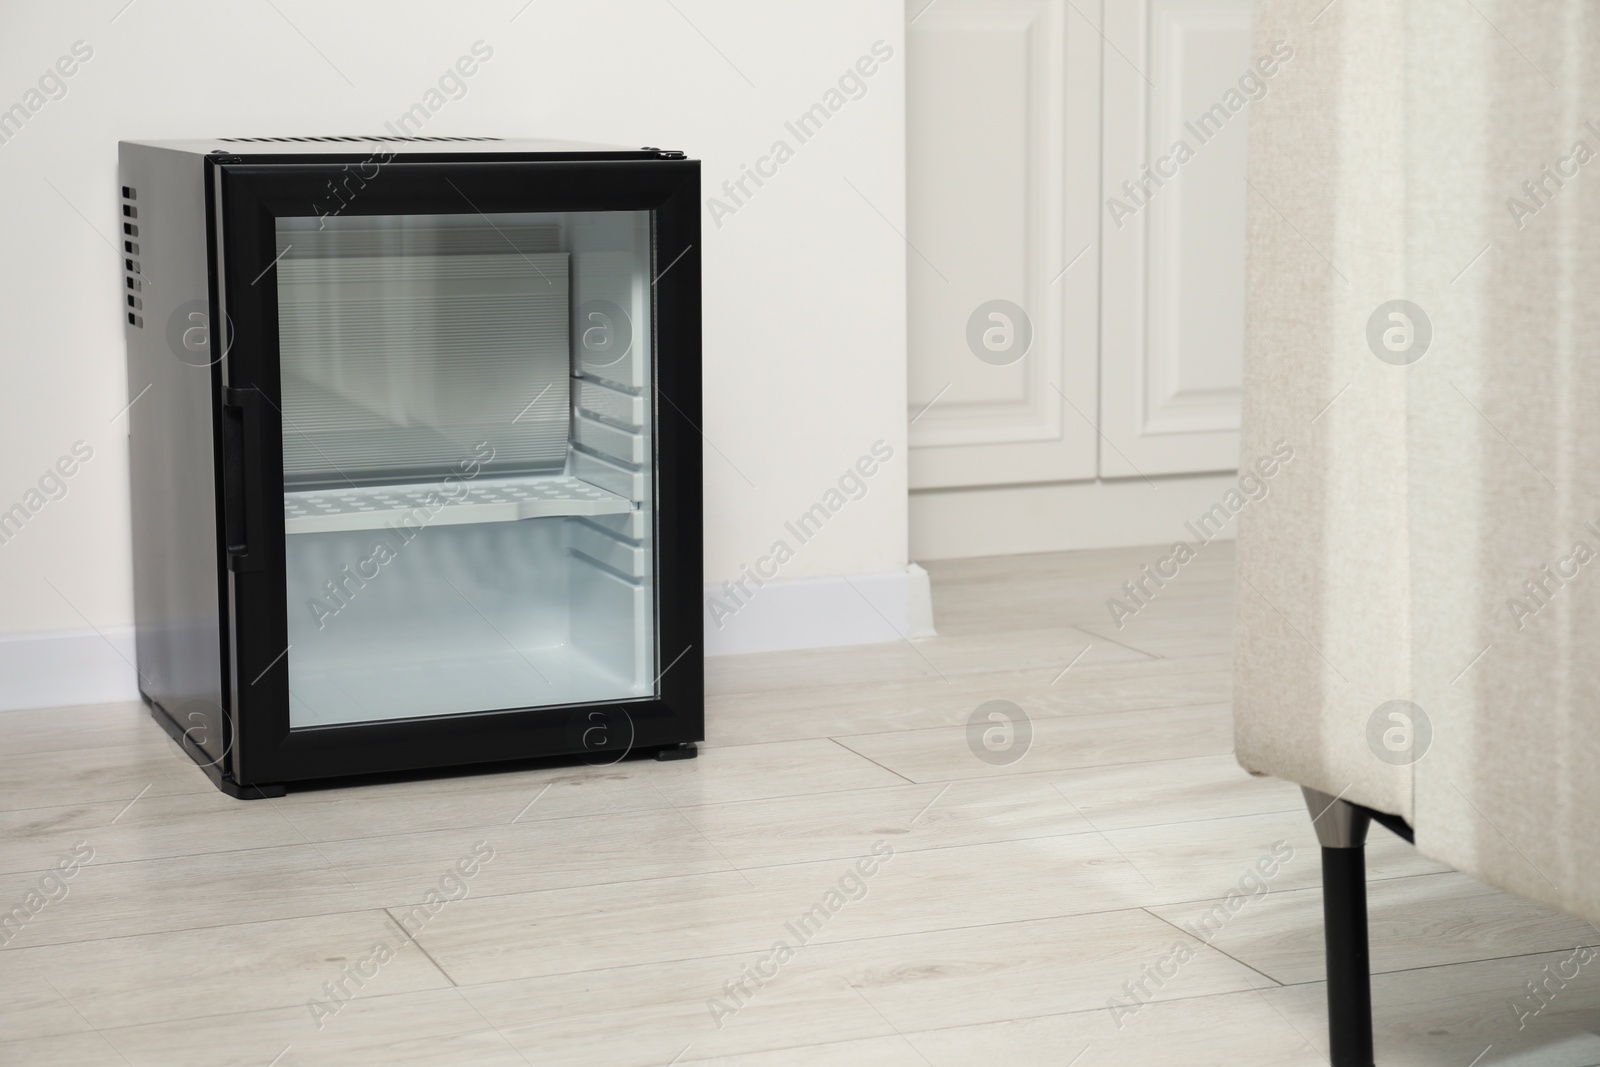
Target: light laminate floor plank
x=849, y=991
x=1090, y=740
x=241, y=967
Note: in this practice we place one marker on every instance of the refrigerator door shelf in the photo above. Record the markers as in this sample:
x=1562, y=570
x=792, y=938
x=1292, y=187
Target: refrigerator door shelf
x=374, y=507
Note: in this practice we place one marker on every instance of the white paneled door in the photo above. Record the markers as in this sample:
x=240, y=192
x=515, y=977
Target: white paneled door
x=1179, y=81
x=1003, y=224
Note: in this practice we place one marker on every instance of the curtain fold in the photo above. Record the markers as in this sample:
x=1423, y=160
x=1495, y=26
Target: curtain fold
x=1419, y=600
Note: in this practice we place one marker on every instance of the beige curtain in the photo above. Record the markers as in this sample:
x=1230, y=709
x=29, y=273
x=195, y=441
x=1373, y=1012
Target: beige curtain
x=1436, y=538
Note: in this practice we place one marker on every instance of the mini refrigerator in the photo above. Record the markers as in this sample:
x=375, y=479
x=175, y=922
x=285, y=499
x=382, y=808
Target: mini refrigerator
x=415, y=451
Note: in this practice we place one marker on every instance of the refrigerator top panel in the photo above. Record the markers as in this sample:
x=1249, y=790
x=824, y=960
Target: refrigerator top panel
x=418, y=148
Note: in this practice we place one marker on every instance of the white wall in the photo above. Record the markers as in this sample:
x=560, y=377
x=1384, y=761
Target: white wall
x=804, y=284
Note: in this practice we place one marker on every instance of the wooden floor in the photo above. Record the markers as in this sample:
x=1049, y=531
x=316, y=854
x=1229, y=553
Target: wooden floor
x=1003, y=907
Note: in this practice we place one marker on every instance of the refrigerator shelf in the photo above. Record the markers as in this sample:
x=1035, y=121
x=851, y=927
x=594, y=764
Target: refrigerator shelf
x=373, y=507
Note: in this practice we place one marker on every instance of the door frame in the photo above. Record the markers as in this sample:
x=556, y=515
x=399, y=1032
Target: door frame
x=249, y=196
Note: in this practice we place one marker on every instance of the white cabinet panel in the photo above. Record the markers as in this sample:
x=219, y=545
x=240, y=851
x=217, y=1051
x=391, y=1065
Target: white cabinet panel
x=1002, y=180
x=1173, y=223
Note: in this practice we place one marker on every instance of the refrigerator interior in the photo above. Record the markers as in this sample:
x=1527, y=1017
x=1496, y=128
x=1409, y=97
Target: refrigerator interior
x=467, y=461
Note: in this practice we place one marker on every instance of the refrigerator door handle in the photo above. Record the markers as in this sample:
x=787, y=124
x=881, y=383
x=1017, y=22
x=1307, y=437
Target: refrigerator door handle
x=242, y=503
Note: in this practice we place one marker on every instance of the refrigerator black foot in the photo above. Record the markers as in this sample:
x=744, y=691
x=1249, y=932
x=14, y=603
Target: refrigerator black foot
x=250, y=792
x=220, y=778
x=687, y=750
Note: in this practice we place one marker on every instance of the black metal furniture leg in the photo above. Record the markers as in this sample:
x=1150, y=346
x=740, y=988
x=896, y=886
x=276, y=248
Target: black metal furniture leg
x=1342, y=831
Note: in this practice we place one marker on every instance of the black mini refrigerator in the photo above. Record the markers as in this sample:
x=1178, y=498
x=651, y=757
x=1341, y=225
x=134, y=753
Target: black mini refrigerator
x=415, y=458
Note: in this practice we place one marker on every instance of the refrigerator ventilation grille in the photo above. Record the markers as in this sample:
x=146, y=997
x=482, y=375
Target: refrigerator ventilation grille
x=357, y=140
x=130, y=258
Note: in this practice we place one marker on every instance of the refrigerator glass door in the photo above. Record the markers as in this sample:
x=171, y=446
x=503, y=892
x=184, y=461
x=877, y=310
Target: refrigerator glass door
x=468, y=462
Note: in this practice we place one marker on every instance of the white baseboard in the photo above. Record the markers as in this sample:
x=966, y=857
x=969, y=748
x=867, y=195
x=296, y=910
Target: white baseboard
x=54, y=668
x=858, y=609
x=1008, y=520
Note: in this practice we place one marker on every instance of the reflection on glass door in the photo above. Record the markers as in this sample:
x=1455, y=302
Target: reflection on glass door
x=467, y=462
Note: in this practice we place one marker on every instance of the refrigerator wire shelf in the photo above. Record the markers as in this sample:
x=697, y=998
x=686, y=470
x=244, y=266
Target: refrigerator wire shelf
x=435, y=503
